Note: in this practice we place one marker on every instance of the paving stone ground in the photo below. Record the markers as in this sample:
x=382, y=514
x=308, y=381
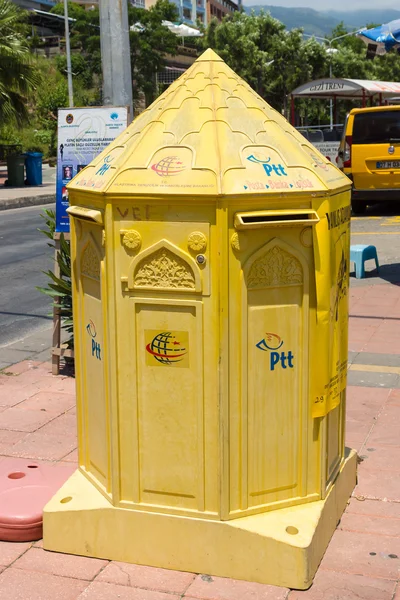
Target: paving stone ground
x=362, y=562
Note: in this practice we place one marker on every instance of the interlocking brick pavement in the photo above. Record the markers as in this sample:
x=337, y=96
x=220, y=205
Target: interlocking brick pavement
x=37, y=421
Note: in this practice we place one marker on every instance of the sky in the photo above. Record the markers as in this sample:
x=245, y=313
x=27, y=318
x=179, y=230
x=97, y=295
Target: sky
x=328, y=4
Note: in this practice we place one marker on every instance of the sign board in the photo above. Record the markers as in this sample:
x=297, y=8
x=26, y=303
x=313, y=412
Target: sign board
x=332, y=260
x=330, y=87
x=82, y=134
x=328, y=149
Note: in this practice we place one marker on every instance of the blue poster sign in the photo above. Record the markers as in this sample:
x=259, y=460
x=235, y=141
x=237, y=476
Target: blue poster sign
x=82, y=134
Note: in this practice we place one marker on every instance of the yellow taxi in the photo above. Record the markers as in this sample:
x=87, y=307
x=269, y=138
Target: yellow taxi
x=369, y=153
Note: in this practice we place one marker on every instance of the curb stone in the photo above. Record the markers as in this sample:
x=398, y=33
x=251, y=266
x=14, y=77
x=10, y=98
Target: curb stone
x=27, y=201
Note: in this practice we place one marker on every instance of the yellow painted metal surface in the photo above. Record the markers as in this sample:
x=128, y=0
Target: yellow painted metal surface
x=210, y=262
x=331, y=255
x=209, y=134
x=283, y=547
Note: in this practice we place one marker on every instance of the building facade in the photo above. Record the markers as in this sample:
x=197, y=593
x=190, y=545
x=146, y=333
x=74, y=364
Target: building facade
x=221, y=8
x=191, y=12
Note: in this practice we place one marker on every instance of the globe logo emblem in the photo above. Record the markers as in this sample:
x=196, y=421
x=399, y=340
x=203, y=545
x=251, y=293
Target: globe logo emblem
x=166, y=349
x=319, y=162
x=170, y=165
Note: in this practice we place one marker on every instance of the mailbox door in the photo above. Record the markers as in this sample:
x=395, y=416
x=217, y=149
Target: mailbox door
x=166, y=405
x=91, y=351
x=270, y=424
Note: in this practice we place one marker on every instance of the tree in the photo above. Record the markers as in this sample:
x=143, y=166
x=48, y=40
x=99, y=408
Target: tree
x=270, y=58
x=84, y=37
x=80, y=68
x=150, y=41
x=352, y=42
x=18, y=75
x=387, y=67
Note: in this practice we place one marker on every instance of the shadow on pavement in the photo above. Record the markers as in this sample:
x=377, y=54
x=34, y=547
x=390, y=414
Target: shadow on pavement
x=382, y=209
x=389, y=273
x=67, y=368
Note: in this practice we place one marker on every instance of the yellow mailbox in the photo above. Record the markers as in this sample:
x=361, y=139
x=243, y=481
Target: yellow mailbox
x=210, y=247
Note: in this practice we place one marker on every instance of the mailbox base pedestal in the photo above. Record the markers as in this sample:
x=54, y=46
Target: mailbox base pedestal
x=282, y=547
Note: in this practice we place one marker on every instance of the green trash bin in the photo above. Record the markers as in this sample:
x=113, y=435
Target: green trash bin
x=16, y=170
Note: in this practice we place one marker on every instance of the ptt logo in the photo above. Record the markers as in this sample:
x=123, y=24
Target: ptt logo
x=96, y=348
x=320, y=163
x=168, y=166
x=269, y=167
x=166, y=349
x=105, y=166
x=272, y=343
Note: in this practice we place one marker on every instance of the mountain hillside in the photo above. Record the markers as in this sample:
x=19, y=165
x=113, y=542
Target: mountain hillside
x=361, y=18
x=321, y=23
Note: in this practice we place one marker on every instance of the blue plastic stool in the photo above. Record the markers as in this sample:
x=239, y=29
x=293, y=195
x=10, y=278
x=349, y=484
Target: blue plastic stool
x=359, y=254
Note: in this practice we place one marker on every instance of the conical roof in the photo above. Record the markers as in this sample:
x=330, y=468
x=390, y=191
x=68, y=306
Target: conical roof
x=209, y=134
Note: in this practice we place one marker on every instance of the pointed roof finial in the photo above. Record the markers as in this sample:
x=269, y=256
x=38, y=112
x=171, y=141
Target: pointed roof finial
x=209, y=55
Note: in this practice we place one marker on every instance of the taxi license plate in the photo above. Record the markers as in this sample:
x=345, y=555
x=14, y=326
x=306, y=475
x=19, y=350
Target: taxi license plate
x=388, y=164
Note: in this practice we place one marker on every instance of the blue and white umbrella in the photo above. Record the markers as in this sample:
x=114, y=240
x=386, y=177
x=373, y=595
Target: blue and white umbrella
x=179, y=29
x=381, y=39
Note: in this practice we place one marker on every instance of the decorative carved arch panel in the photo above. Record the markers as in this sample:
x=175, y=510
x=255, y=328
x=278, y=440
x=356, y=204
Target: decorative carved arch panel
x=273, y=266
x=164, y=266
x=90, y=260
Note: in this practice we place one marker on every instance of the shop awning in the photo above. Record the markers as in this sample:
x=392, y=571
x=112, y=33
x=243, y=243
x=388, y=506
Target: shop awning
x=347, y=88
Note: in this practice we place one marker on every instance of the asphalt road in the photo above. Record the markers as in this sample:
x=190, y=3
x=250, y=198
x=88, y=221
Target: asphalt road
x=24, y=254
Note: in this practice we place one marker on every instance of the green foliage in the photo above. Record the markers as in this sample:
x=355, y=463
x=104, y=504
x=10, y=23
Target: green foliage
x=165, y=10
x=258, y=47
x=150, y=45
x=31, y=140
x=75, y=11
x=349, y=64
x=52, y=95
x=59, y=288
x=241, y=43
x=387, y=67
x=43, y=137
x=85, y=43
x=80, y=68
x=248, y=43
x=352, y=42
x=18, y=76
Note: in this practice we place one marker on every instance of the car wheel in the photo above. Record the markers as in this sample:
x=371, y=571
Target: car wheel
x=358, y=207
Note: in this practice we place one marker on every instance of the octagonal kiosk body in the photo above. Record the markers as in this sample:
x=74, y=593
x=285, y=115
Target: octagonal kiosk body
x=210, y=248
